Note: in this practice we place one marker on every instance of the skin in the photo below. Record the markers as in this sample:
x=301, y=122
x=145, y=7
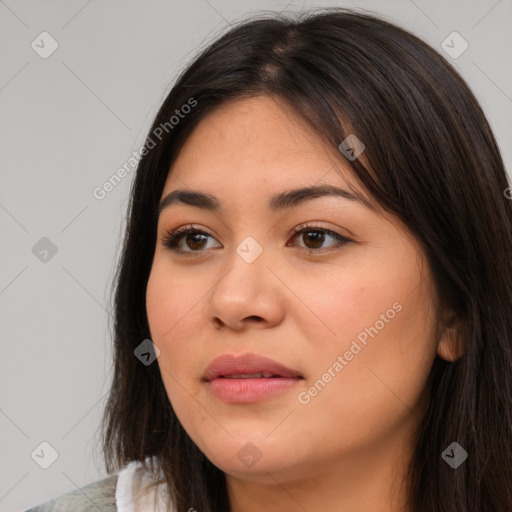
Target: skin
x=348, y=448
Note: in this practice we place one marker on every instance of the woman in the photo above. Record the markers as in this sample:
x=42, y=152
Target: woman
x=312, y=309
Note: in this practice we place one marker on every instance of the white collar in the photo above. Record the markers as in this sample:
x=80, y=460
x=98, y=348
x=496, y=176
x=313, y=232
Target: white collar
x=132, y=479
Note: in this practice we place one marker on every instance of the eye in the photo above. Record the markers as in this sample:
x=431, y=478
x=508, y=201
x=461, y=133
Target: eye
x=195, y=239
x=318, y=237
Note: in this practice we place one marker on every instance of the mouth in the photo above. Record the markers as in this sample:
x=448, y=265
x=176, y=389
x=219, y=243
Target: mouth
x=248, y=378
x=248, y=366
x=257, y=375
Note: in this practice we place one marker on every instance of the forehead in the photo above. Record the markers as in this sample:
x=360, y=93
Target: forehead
x=256, y=142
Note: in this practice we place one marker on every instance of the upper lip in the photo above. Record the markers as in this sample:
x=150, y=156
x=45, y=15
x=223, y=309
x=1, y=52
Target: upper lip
x=228, y=364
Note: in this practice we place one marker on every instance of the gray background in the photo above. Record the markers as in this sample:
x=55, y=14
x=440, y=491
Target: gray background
x=67, y=123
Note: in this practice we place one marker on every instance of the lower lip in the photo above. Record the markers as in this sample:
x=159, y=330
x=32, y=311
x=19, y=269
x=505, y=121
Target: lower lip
x=242, y=391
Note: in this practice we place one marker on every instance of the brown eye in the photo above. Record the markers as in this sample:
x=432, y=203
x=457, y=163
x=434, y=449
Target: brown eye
x=186, y=240
x=314, y=238
x=195, y=240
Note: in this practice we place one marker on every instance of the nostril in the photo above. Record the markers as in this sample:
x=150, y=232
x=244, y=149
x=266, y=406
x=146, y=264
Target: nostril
x=254, y=317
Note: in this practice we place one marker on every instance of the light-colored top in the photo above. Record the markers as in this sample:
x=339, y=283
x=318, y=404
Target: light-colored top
x=132, y=480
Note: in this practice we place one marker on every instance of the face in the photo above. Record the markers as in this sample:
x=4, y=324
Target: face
x=329, y=288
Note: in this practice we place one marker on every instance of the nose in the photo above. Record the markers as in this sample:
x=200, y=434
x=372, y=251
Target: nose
x=246, y=295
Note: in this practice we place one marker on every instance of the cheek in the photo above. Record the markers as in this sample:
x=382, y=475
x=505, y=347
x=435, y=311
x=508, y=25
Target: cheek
x=379, y=318
x=385, y=360
x=174, y=308
x=170, y=301
x=340, y=304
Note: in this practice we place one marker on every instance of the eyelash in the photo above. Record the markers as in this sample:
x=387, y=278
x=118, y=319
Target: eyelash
x=171, y=239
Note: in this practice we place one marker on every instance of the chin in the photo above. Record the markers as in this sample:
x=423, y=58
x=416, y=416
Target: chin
x=248, y=456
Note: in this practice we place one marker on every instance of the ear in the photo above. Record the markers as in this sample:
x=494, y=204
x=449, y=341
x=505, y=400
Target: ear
x=450, y=345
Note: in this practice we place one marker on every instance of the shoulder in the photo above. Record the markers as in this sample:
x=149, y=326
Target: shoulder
x=99, y=495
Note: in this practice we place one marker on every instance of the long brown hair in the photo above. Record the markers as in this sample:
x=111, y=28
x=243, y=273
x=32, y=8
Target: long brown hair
x=430, y=158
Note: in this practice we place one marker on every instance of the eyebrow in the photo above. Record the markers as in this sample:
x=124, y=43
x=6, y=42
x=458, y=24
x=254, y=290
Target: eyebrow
x=281, y=201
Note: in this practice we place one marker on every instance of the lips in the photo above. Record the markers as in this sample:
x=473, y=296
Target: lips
x=247, y=366
x=249, y=379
